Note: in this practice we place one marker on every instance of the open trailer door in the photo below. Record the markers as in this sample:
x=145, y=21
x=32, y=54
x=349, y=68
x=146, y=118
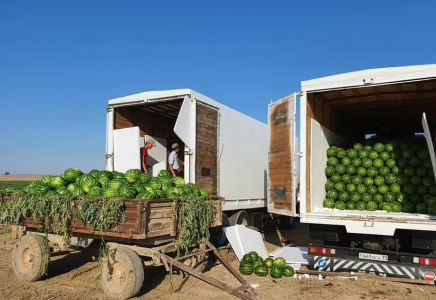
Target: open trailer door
x=127, y=149
x=185, y=130
x=282, y=142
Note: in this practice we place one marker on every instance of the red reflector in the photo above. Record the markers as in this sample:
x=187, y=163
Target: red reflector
x=427, y=261
x=320, y=250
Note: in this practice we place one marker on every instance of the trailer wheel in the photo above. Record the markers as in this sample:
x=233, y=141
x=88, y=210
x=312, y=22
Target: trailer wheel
x=123, y=274
x=29, y=257
x=240, y=218
x=219, y=238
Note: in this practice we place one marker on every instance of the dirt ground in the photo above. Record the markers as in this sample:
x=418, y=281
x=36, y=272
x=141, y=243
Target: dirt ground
x=75, y=277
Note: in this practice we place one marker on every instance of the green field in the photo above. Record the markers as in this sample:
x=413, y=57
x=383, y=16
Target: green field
x=15, y=184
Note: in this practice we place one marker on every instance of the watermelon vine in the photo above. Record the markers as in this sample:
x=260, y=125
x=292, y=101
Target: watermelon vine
x=193, y=216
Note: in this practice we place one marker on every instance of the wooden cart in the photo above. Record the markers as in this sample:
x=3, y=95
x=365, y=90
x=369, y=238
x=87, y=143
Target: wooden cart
x=146, y=239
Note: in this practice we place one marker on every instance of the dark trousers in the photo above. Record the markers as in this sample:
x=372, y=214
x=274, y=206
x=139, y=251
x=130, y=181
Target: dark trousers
x=176, y=172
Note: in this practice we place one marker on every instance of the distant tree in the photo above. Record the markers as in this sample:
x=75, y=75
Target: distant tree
x=7, y=173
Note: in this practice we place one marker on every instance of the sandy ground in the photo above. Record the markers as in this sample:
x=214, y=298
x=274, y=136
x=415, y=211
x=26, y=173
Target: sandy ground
x=20, y=177
x=75, y=277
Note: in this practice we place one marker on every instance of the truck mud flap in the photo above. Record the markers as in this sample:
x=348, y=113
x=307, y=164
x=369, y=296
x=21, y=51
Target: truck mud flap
x=384, y=269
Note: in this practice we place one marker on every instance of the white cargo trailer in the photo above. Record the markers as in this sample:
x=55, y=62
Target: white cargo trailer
x=348, y=107
x=225, y=151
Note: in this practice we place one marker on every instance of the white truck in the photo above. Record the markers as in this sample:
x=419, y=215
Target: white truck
x=348, y=107
x=225, y=151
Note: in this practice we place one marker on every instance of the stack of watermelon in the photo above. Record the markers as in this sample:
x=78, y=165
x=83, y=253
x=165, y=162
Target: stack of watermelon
x=132, y=184
x=396, y=176
x=253, y=263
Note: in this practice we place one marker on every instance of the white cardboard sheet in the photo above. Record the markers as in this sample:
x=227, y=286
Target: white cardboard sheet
x=244, y=240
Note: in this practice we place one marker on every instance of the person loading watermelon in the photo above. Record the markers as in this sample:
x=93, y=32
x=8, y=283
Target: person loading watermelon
x=173, y=161
x=149, y=143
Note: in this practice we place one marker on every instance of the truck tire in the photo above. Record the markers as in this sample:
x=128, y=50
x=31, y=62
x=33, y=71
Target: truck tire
x=240, y=218
x=30, y=257
x=123, y=274
x=218, y=235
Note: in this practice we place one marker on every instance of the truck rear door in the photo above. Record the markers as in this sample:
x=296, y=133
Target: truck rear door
x=282, y=195
x=127, y=149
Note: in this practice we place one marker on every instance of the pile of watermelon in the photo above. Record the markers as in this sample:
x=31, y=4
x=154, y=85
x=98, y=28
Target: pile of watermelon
x=253, y=263
x=396, y=176
x=132, y=184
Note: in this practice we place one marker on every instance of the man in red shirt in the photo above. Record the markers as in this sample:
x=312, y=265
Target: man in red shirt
x=149, y=143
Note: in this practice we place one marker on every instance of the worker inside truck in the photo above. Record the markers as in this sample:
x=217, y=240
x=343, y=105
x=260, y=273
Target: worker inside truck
x=149, y=143
x=173, y=161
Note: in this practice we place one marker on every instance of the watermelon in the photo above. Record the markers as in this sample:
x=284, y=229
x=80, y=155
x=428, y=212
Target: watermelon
x=389, y=147
x=261, y=271
x=403, y=180
x=63, y=191
x=389, y=197
x=351, y=170
x=421, y=208
x=126, y=191
x=373, y=155
x=356, y=180
x=372, y=172
x=76, y=191
x=245, y=268
x=329, y=171
x=164, y=174
x=422, y=190
x=329, y=203
x=341, y=153
x=397, y=207
x=132, y=175
x=346, y=178
x=357, y=146
x=115, y=184
x=351, y=188
x=399, y=197
x=421, y=171
x=346, y=161
x=414, y=162
x=355, y=197
x=138, y=187
x=144, y=178
x=357, y=162
x=361, y=205
x=383, y=189
x=57, y=181
x=361, y=189
x=105, y=175
x=395, y=170
x=407, y=153
x=367, y=163
x=423, y=154
x=88, y=182
x=279, y=261
x=161, y=194
x=379, y=147
x=332, y=151
x=340, y=205
x=344, y=196
x=431, y=209
x=351, y=153
x=416, y=198
x=402, y=162
x=378, y=198
x=104, y=182
x=257, y=263
x=366, y=198
x=384, y=171
x=276, y=271
x=432, y=190
x=95, y=192
x=372, y=190
x=395, y=188
x=384, y=156
x=378, y=163
x=336, y=178
x=368, y=181
x=332, y=195
x=408, y=207
x=362, y=154
x=428, y=181
x=268, y=262
x=396, y=155
x=288, y=271
x=146, y=195
x=351, y=205
x=46, y=179
x=72, y=174
x=387, y=207
x=178, y=181
x=340, y=186
x=361, y=172
x=247, y=258
x=95, y=174
x=340, y=169
x=371, y=206
x=329, y=185
x=254, y=255
x=427, y=164
x=390, y=163
x=204, y=193
x=110, y=193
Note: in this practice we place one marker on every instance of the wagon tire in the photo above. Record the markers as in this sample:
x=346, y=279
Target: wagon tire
x=122, y=275
x=30, y=256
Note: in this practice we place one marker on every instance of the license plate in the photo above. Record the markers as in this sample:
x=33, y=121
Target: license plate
x=370, y=256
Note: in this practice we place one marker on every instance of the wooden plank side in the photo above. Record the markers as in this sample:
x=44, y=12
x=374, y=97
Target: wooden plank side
x=207, y=148
x=280, y=160
x=310, y=106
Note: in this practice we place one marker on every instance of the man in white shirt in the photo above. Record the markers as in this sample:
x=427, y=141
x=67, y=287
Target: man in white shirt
x=173, y=162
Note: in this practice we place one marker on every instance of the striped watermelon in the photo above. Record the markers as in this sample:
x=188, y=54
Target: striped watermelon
x=172, y=195
x=79, y=179
x=88, y=182
x=127, y=191
x=269, y=262
x=46, y=179
x=144, y=178
x=279, y=261
x=114, y=184
x=178, y=181
x=288, y=271
x=57, y=181
x=245, y=268
x=166, y=181
x=138, y=187
x=203, y=193
x=63, y=191
x=155, y=184
x=76, y=191
x=105, y=174
x=39, y=188
x=276, y=271
x=95, y=192
x=132, y=175
x=117, y=175
x=261, y=271
x=104, y=182
x=110, y=193
x=71, y=174
x=146, y=195
x=163, y=174
x=161, y=194
x=95, y=174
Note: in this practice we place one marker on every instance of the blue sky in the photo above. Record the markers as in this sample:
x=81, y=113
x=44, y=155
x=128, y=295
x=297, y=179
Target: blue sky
x=60, y=61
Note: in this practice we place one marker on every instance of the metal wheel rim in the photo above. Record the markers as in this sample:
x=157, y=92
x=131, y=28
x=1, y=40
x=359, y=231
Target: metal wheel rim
x=26, y=258
x=118, y=276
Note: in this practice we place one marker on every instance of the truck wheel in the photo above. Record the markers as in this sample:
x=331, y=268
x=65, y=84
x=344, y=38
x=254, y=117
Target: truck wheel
x=219, y=238
x=240, y=218
x=123, y=274
x=30, y=257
